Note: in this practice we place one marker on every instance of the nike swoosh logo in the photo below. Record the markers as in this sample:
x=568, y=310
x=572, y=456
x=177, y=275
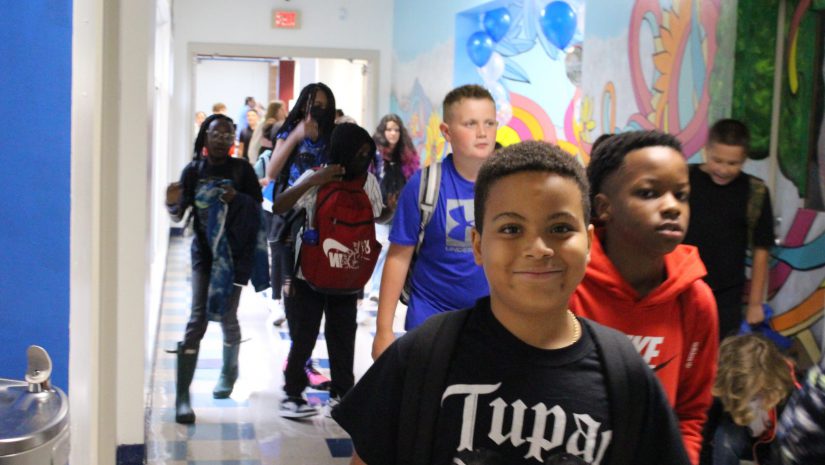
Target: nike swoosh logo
x=662, y=365
x=330, y=244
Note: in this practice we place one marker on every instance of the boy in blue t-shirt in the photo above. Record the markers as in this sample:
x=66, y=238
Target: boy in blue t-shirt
x=444, y=277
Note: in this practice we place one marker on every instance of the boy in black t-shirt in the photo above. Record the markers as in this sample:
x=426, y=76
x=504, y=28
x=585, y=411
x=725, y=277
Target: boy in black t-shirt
x=524, y=380
x=732, y=214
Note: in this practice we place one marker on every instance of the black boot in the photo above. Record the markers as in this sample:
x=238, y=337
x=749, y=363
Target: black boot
x=229, y=372
x=187, y=360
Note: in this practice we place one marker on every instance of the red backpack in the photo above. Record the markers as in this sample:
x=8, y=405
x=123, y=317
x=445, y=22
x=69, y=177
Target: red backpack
x=343, y=257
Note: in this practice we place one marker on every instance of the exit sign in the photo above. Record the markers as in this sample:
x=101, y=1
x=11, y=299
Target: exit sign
x=286, y=19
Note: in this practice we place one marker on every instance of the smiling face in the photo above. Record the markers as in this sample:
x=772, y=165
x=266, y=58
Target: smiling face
x=470, y=127
x=644, y=204
x=724, y=162
x=534, y=252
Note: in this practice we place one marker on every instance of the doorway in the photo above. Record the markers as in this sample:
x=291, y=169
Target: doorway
x=229, y=73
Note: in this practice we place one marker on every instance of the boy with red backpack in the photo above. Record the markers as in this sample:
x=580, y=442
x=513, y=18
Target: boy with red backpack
x=336, y=253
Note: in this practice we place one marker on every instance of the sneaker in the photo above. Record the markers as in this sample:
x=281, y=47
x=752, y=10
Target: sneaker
x=276, y=308
x=315, y=378
x=296, y=407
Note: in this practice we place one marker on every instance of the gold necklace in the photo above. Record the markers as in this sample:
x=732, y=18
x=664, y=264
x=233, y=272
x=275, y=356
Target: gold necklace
x=577, y=328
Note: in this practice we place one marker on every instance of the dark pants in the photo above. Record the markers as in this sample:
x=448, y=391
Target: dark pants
x=729, y=306
x=304, y=308
x=280, y=266
x=196, y=327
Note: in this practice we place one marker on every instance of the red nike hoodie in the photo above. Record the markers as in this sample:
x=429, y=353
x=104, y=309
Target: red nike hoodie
x=674, y=328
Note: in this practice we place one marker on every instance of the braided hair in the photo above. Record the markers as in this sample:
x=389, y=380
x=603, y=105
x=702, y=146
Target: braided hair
x=304, y=102
x=200, y=140
x=609, y=155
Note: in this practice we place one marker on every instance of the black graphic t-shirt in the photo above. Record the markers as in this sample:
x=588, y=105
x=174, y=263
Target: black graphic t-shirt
x=516, y=404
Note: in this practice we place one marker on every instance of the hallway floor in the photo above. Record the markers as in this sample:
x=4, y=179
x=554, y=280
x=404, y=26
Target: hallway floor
x=246, y=428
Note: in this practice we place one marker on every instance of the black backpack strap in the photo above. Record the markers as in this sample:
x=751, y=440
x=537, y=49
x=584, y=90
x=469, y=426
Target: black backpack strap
x=430, y=355
x=624, y=373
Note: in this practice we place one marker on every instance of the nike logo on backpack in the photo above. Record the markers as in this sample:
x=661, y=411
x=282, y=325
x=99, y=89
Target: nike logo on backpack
x=332, y=244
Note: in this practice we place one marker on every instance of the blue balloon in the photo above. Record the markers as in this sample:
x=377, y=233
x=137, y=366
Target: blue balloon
x=497, y=23
x=558, y=22
x=480, y=48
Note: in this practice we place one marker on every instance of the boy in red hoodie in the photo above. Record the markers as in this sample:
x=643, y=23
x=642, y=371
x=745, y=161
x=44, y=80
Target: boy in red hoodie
x=641, y=281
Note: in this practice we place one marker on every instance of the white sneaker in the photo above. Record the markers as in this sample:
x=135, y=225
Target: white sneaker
x=296, y=407
x=276, y=307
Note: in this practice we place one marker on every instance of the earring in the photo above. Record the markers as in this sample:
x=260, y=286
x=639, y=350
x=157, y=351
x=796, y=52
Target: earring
x=205, y=152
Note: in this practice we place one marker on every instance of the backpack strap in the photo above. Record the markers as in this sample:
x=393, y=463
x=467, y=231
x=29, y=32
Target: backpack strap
x=430, y=355
x=756, y=198
x=624, y=371
x=427, y=202
x=427, y=197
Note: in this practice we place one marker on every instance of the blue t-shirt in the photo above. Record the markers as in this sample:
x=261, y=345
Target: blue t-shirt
x=309, y=155
x=445, y=276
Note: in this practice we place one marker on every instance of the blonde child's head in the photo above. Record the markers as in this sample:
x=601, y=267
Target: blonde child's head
x=750, y=367
x=470, y=122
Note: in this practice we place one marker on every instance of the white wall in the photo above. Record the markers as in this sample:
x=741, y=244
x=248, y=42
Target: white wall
x=118, y=236
x=347, y=83
x=159, y=219
x=230, y=82
x=306, y=72
x=335, y=28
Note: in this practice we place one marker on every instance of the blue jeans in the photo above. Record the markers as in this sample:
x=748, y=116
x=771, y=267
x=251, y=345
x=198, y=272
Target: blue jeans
x=196, y=327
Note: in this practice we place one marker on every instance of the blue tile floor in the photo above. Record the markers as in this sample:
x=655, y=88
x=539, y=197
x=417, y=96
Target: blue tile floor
x=244, y=429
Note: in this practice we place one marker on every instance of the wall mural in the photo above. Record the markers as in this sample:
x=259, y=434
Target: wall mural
x=797, y=285
x=668, y=55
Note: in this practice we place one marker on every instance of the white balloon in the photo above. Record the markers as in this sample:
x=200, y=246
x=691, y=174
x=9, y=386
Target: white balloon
x=504, y=113
x=493, y=70
x=499, y=93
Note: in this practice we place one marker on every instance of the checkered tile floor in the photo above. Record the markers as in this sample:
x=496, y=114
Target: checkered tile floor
x=244, y=429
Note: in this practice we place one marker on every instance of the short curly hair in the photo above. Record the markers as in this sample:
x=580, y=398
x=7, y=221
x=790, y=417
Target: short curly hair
x=608, y=155
x=750, y=366
x=528, y=156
